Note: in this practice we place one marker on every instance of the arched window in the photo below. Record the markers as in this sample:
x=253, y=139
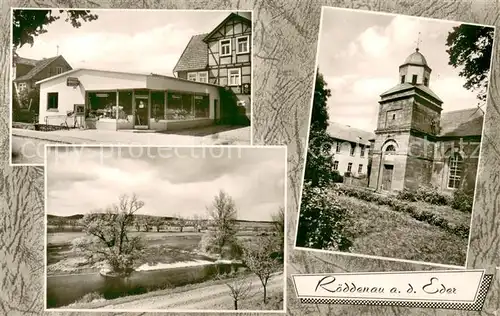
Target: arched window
x=390, y=150
x=455, y=174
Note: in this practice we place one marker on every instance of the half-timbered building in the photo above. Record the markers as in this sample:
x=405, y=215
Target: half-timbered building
x=222, y=57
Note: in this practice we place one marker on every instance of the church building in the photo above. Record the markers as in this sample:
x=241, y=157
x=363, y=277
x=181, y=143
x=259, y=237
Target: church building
x=416, y=143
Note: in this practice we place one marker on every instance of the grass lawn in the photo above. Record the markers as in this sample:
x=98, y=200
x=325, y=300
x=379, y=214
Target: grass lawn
x=451, y=215
x=380, y=231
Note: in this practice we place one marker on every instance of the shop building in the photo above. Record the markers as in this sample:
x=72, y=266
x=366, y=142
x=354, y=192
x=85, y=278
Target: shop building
x=97, y=99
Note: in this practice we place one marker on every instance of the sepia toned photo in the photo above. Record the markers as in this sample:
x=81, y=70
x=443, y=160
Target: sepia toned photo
x=151, y=77
x=395, y=136
x=131, y=228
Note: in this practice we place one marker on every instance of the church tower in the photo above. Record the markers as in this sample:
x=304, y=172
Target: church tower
x=408, y=123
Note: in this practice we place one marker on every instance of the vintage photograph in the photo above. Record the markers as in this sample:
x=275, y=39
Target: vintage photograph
x=131, y=228
x=395, y=136
x=114, y=76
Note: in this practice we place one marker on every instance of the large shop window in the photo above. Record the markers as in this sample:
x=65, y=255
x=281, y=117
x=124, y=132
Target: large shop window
x=180, y=106
x=52, y=100
x=125, y=99
x=185, y=106
x=201, y=106
x=158, y=105
x=103, y=105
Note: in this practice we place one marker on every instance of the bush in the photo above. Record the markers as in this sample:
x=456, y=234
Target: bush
x=336, y=177
x=322, y=220
x=462, y=201
x=398, y=204
x=427, y=194
x=207, y=245
x=24, y=116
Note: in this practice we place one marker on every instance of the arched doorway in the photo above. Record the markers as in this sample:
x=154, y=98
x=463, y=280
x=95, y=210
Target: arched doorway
x=389, y=149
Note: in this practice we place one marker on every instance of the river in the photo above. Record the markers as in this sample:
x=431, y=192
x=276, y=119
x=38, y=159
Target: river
x=63, y=290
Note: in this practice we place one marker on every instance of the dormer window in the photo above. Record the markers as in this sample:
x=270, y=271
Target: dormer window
x=225, y=47
x=426, y=82
x=414, y=79
x=403, y=79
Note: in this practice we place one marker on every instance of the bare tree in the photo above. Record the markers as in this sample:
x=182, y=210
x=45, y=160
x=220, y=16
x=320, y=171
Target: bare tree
x=197, y=223
x=180, y=221
x=137, y=224
x=223, y=216
x=157, y=222
x=239, y=289
x=110, y=241
x=259, y=258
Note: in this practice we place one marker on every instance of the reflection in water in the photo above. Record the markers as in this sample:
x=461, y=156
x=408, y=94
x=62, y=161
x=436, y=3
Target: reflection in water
x=66, y=289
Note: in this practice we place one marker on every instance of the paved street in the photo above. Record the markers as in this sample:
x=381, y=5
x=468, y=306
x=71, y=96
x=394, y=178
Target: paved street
x=28, y=145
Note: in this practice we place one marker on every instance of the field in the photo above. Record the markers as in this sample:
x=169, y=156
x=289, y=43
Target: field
x=379, y=230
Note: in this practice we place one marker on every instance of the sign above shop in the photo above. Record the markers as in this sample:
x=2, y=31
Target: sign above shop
x=72, y=82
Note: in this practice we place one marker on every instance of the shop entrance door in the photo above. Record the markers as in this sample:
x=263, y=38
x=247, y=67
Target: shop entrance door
x=141, y=112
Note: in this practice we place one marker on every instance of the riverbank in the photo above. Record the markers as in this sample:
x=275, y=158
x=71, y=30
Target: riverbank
x=209, y=295
x=162, y=249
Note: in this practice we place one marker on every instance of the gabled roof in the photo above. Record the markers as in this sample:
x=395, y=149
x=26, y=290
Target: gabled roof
x=244, y=16
x=194, y=56
x=39, y=66
x=348, y=133
x=408, y=86
x=468, y=122
x=26, y=61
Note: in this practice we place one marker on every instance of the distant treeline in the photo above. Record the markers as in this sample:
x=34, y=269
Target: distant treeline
x=147, y=223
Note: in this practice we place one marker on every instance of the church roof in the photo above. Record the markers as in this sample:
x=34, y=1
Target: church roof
x=407, y=86
x=348, y=133
x=468, y=122
x=416, y=58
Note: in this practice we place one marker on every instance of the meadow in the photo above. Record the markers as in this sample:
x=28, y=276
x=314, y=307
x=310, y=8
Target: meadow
x=388, y=226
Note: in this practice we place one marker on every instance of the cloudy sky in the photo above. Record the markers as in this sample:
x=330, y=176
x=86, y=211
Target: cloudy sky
x=125, y=40
x=170, y=180
x=360, y=54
